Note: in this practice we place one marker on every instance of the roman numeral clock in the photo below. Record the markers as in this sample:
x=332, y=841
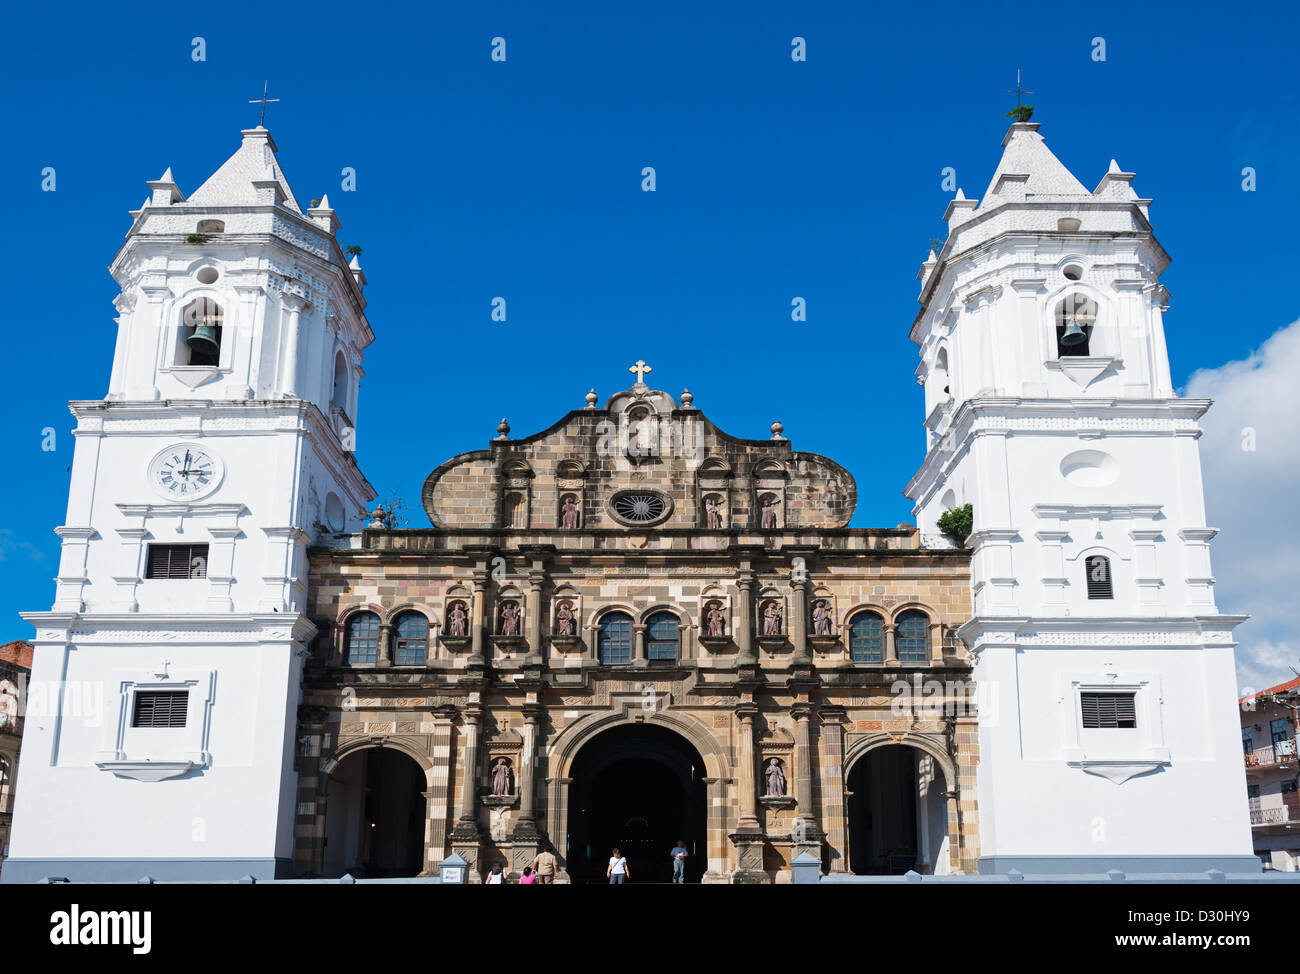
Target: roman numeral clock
x=185, y=471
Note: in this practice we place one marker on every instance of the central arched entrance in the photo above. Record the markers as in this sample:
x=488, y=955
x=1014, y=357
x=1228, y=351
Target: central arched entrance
x=897, y=813
x=375, y=815
x=641, y=788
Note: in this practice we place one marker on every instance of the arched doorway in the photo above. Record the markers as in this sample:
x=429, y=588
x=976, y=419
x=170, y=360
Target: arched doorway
x=375, y=815
x=897, y=813
x=641, y=788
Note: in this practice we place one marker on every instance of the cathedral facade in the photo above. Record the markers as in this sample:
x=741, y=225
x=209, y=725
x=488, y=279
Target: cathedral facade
x=629, y=629
x=632, y=628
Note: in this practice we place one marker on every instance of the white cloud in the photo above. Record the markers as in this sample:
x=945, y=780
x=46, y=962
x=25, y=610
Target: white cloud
x=1250, y=456
x=9, y=546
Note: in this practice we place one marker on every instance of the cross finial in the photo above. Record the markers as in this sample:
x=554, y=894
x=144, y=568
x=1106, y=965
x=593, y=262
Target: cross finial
x=253, y=101
x=1018, y=90
x=640, y=369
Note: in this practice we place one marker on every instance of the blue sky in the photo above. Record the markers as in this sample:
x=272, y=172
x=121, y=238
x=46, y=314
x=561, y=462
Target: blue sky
x=478, y=179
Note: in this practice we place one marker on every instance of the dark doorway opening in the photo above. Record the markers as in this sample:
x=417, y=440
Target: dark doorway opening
x=897, y=813
x=639, y=788
x=375, y=816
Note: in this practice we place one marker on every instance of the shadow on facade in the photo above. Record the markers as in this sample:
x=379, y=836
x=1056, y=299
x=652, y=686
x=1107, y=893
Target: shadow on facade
x=375, y=816
x=639, y=788
x=897, y=813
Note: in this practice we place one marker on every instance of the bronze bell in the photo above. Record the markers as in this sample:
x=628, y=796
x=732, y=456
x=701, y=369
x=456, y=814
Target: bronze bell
x=1074, y=335
x=204, y=340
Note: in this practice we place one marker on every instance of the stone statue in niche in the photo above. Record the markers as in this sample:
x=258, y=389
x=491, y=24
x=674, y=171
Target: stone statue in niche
x=771, y=618
x=457, y=619
x=569, y=514
x=510, y=619
x=712, y=516
x=502, y=778
x=714, y=621
x=821, y=618
x=775, y=779
x=769, y=514
x=564, y=619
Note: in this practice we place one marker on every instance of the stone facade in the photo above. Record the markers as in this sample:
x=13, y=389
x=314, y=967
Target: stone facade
x=733, y=691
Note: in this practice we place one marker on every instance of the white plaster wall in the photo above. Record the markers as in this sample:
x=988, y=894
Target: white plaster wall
x=240, y=806
x=1042, y=806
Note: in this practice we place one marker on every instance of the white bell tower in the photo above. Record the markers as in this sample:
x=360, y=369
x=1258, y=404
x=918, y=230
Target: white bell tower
x=1109, y=735
x=163, y=705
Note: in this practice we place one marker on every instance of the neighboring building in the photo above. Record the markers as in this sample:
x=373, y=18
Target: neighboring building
x=15, y=668
x=631, y=627
x=1270, y=727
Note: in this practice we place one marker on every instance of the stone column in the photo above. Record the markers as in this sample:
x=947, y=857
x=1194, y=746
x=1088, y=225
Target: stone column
x=465, y=836
x=384, y=653
x=478, y=613
x=527, y=761
x=834, y=810
x=748, y=838
x=807, y=835
x=536, y=580
x=891, y=645
x=440, y=786
x=638, y=647
x=745, y=617
x=797, y=624
x=746, y=712
x=526, y=839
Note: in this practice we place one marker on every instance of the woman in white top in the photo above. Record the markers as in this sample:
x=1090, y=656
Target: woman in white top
x=496, y=876
x=616, y=872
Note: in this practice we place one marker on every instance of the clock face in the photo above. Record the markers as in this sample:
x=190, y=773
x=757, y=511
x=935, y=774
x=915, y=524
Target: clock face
x=185, y=472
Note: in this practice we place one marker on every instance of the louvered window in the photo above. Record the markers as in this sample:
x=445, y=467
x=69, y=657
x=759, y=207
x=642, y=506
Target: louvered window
x=160, y=708
x=177, y=561
x=1109, y=710
x=1097, y=568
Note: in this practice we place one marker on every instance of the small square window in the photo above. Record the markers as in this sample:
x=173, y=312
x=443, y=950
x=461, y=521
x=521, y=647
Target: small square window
x=160, y=708
x=1109, y=710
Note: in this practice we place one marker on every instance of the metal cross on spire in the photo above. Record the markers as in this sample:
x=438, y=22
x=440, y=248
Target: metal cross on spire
x=1018, y=90
x=261, y=123
x=640, y=369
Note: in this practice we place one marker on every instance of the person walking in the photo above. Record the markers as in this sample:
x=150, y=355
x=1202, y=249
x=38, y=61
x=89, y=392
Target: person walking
x=679, y=855
x=496, y=877
x=544, y=867
x=616, y=872
x=529, y=877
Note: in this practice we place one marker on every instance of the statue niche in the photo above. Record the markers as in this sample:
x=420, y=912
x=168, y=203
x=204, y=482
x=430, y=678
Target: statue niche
x=509, y=619
x=774, y=779
x=501, y=779
x=776, y=794
x=713, y=513
x=564, y=633
x=715, y=624
x=455, y=629
x=570, y=514
x=771, y=612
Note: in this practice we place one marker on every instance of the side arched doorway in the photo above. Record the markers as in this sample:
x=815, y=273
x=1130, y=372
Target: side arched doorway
x=641, y=788
x=897, y=813
x=375, y=815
